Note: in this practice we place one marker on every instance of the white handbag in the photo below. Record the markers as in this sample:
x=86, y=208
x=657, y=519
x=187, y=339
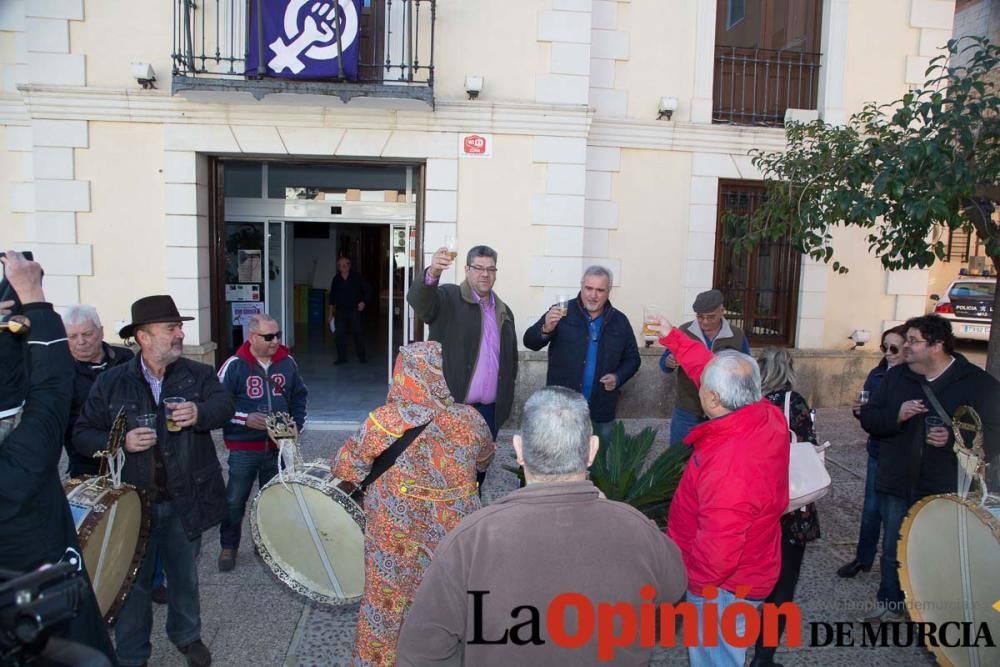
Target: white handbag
x=808, y=480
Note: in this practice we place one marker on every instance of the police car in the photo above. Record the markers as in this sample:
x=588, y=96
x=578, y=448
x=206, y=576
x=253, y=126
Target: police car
x=968, y=304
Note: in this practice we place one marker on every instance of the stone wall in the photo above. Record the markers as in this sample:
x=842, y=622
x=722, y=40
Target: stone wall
x=827, y=378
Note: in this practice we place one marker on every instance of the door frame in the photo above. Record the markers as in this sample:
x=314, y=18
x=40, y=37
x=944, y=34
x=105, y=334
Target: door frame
x=264, y=210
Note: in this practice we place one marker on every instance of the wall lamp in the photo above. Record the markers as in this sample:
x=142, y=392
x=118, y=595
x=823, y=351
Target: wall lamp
x=144, y=75
x=473, y=86
x=668, y=105
x=860, y=337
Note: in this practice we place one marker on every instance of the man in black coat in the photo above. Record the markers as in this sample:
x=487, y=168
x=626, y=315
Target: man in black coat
x=175, y=463
x=916, y=458
x=92, y=356
x=592, y=347
x=36, y=526
x=349, y=296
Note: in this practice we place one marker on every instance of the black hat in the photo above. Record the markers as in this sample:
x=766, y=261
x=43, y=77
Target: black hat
x=151, y=309
x=706, y=302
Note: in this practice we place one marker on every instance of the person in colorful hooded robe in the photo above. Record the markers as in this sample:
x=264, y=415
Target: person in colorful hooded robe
x=425, y=493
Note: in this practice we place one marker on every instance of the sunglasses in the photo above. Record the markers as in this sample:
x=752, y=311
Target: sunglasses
x=270, y=337
x=891, y=349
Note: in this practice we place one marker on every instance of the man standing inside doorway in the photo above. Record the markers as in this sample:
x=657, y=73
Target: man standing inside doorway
x=349, y=296
x=476, y=332
x=714, y=331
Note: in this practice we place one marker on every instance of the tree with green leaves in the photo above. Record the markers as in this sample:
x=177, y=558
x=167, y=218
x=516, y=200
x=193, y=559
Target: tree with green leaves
x=904, y=171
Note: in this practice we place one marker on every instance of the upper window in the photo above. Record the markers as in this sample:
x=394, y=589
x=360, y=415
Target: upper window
x=766, y=60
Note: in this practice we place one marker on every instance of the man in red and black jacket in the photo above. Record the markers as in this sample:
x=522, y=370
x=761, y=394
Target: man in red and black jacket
x=263, y=378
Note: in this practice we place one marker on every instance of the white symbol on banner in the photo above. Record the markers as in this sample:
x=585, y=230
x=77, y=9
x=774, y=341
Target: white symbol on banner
x=318, y=38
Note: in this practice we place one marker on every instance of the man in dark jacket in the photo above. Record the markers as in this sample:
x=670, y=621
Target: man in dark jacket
x=92, y=356
x=569, y=541
x=175, y=463
x=480, y=361
x=592, y=347
x=36, y=526
x=262, y=378
x=916, y=458
x=349, y=296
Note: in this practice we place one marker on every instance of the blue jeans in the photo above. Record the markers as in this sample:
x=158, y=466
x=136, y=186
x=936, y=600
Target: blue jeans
x=244, y=468
x=681, y=423
x=721, y=655
x=893, y=510
x=180, y=560
x=871, y=518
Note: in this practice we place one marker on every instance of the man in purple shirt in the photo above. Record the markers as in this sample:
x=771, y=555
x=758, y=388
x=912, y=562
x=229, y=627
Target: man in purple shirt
x=475, y=329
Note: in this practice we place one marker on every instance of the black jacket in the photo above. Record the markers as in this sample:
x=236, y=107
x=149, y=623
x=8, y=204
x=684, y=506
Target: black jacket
x=456, y=322
x=83, y=380
x=36, y=526
x=193, y=473
x=347, y=293
x=617, y=353
x=908, y=467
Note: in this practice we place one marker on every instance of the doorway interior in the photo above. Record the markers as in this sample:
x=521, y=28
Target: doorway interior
x=279, y=255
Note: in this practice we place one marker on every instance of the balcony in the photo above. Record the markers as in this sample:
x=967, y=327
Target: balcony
x=242, y=46
x=756, y=86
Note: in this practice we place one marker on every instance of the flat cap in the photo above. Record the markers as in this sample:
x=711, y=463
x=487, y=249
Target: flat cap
x=706, y=302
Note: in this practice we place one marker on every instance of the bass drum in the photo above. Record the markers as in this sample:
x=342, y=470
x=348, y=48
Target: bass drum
x=949, y=554
x=113, y=526
x=311, y=535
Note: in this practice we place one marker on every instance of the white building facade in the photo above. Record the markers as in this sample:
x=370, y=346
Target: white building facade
x=123, y=191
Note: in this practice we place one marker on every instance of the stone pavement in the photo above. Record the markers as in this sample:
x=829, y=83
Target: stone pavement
x=251, y=619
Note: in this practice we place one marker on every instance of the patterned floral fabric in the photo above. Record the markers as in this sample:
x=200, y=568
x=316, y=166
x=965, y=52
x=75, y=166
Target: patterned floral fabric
x=802, y=525
x=415, y=503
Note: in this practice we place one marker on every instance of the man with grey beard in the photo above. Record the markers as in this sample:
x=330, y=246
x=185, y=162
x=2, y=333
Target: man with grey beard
x=171, y=404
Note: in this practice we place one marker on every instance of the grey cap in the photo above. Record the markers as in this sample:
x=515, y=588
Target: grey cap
x=706, y=302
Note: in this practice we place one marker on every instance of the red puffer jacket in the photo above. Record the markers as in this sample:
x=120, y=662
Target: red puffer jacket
x=726, y=511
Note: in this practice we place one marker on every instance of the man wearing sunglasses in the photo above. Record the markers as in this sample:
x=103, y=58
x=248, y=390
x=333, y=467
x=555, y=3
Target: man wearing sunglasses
x=476, y=332
x=263, y=378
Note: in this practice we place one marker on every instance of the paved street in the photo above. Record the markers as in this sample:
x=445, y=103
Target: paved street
x=251, y=619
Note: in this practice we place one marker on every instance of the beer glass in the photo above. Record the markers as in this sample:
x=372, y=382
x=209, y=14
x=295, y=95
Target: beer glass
x=146, y=421
x=650, y=316
x=451, y=243
x=563, y=302
x=169, y=404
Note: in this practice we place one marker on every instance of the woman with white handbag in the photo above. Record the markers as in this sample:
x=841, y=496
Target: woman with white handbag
x=800, y=526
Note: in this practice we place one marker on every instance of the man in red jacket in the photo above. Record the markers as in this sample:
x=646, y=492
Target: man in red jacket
x=725, y=513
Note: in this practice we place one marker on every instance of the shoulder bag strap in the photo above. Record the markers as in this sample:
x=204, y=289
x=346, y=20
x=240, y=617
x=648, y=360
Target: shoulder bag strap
x=936, y=404
x=788, y=419
x=386, y=459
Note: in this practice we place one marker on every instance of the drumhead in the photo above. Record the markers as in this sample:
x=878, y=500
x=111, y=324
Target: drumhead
x=310, y=534
x=944, y=583
x=113, y=527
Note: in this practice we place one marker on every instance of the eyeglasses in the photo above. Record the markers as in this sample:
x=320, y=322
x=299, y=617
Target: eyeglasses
x=891, y=349
x=269, y=337
x=484, y=269
x=914, y=341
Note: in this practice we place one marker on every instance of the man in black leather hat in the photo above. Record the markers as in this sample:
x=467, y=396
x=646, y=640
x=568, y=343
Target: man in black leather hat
x=175, y=462
x=36, y=527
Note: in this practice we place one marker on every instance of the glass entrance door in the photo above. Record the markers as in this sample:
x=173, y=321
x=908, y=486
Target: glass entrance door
x=401, y=261
x=276, y=282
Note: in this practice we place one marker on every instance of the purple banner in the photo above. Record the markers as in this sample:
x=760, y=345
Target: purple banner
x=300, y=38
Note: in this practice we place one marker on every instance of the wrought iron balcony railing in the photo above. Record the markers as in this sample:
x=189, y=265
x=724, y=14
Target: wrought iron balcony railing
x=757, y=86
x=222, y=45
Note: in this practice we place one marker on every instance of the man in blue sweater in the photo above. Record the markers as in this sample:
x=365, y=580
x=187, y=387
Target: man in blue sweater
x=263, y=378
x=592, y=347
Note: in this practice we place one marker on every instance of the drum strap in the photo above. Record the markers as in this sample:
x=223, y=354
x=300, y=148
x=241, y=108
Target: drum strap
x=936, y=404
x=386, y=459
